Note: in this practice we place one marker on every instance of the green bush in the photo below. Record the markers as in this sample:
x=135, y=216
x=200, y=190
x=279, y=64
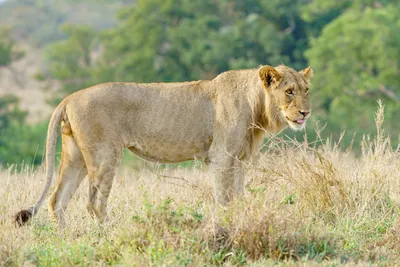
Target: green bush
x=23, y=143
x=19, y=142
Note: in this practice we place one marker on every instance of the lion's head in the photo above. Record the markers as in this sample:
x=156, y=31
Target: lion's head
x=288, y=92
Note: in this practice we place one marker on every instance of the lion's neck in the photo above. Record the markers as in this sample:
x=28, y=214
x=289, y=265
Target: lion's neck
x=265, y=117
x=270, y=118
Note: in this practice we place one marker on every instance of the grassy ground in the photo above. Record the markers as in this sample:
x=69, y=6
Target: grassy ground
x=303, y=206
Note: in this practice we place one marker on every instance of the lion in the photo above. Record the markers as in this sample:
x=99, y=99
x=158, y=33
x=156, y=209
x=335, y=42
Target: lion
x=222, y=121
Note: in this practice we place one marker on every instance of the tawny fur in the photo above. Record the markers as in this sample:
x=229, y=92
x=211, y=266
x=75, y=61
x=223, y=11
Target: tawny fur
x=222, y=121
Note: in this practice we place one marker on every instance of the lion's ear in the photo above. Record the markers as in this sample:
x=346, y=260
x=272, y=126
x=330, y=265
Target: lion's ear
x=307, y=72
x=269, y=76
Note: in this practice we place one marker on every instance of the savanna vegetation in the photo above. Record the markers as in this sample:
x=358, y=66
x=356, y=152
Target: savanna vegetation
x=305, y=204
x=330, y=194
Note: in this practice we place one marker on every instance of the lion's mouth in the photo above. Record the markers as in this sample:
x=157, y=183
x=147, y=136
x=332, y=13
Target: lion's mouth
x=300, y=121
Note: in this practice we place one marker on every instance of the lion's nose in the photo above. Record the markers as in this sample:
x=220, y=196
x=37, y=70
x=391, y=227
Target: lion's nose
x=304, y=113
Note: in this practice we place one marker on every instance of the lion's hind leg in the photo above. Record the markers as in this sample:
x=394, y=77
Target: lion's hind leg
x=72, y=171
x=102, y=166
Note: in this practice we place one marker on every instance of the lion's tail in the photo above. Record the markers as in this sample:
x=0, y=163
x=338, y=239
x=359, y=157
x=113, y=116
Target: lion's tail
x=52, y=132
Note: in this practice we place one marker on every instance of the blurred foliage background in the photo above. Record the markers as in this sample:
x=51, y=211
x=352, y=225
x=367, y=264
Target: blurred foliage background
x=352, y=45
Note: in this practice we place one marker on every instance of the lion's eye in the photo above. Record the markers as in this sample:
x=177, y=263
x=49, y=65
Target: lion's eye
x=289, y=92
x=307, y=91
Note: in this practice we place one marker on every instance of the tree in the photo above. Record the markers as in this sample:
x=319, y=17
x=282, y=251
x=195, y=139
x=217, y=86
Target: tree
x=357, y=60
x=10, y=113
x=6, y=47
x=70, y=61
x=186, y=40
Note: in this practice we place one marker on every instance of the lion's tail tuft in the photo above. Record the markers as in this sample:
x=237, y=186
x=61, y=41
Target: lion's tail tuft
x=22, y=217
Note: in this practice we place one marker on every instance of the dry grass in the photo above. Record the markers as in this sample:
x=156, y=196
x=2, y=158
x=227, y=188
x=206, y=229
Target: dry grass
x=304, y=205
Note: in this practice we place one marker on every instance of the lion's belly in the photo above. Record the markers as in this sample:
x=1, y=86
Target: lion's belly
x=176, y=132
x=171, y=151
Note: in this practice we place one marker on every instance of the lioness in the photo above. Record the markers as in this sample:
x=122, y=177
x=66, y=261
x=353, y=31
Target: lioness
x=219, y=120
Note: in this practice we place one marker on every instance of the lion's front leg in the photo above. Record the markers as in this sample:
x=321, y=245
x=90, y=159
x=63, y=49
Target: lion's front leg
x=224, y=185
x=228, y=179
